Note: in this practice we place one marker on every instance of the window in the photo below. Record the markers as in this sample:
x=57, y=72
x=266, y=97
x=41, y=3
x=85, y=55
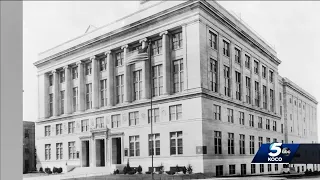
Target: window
x=115, y=121
x=242, y=144
x=271, y=100
x=241, y=118
x=274, y=126
x=256, y=67
x=88, y=69
x=71, y=127
x=133, y=118
x=134, y=146
x=103, y=64
x=47, y=151
x=175, y=112
x=103, y=92
x=157, y=77
x=178, y=75
x=257, y=93
x=137, y=85
x=156, y=47
x=226, y=50
x=89, y=96
x=62, y=102
x=72, y=150
x=219, y=170
x=155, y=115
x=238, y=86
x=253, y=168
x=62, y=76
x=269, y=167
x=264, y=92
x=260, y=122
x=274, y=140
x=230, y=143
x=177, y=40
x=75, y=99
x=232, y=169
x=281, y=128
x=119, y=89
x=247, y=62
x=251, y=120
x=58, y=129
x=50, y=105
x=176, y=146
x=99, y=122
x=260, y=141
x=264, y=72
x=230, y=115
x=281, y=110
x=276, y=167
x=251, y=144
x=84, y=125
x=119, y=59
x=74, y=71
x=47, y=130
x=216, y=112
x=248, y=88
x=271, y=76
x=243, y=169
x=237, y=56
x=136, y=47
x=154, y=144
x=59, y=151
x=217, y=142
x=261, y=168
x=268, y=140
x=213, y=75
x=213, y=40
x=226, y=81
x=268, y=124
x=50, y=79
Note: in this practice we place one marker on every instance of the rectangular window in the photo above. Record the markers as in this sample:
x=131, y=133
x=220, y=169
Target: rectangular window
x=274, y=140
x=253, y=168
x=71, y=126
x=248, y=88
x=119, y=59
x=268, y=124
x=269, y=167
x=119, y=89
x=89, y=96
x=99, y=122
x=85, y=125
x=177, y=40
x=176, y=146
x=232, y=169
x=281, y=128
x=217, y=142
x=260, y=122
x=242, y=144
x=243, y=169
x=226, y=73
x=271, y=100
x=238, y=86
x=268, y=140
x=178, y=75
x=115, y=121
x=72, y=150
x=230, y=143
x=274, y=126
x=216, y=112
x=247, y=62
x=257, y=93
x=251, y=120
x=264, y=92
x=59, y=151
x=137, y=85
x=62, y=102
x=226, y=50
x=154, y=144
x=47, y=130
x=47, y=151
x=256, y=67
x=50, y=105
x=260, y=141
x=74, y=71
x=75, y=99
x=157, y=77
x=219, y=170
x=264, y=72
x=213, y=40
x=276, y=167
x=241, y=118
x=50, y=79
x=103, y=93
x=62, y=76
x=88, y=69
x=213, y=75
x=58, y=129
x=237, y=56
x=155, y=115
x=103, y=64
x=281, y=110
x=271, y=76
x=134, y=146
x=175, y=112
x=261, y=168
x=251, y=144
x=134, y=118
x=156, y=47
x=230, y=115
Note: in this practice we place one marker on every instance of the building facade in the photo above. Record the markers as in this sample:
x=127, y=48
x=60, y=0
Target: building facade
x=215, y=90
x=29, y=158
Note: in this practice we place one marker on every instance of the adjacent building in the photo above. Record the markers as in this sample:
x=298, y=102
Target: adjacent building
x=29, y=155
x=216, y=92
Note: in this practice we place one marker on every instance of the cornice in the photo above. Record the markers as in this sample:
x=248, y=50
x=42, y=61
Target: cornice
x=287, y=82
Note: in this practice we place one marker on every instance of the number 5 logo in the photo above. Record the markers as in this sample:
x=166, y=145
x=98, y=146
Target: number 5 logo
x=275, y=147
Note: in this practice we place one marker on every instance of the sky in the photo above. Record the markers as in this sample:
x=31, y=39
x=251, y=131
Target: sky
x=292, y=27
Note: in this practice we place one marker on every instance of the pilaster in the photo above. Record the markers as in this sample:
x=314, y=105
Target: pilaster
x=166, y=63
x=81, y=87
x=68, y=92
x=127, y=76
x=55, y=89
x=146, y=72
x=110, y=78
x=95, y=83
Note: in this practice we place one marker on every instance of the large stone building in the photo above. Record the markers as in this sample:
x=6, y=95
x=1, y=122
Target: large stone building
x=29, y=158
x=217, y=94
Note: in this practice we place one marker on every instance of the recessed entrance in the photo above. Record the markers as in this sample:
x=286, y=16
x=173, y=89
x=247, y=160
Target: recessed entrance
x=85, y=154
x=100, y=152
x=116, y=150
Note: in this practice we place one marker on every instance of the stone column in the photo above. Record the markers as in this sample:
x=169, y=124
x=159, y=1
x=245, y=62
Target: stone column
x=146, y=73
x=232, y=73
x=81, y=87
x=46, y=94
x=166, y=63
x=126, y=76
x=55, y=90
x=268, y=90
x=184, y=46
x=106, y=149
x=93, y=152
x=260, y=86
x=110, y=78
x=220, y=66
x=276, y=93
x=251, y=81
x=95, y=82
x=68, y=91
x=243, y=77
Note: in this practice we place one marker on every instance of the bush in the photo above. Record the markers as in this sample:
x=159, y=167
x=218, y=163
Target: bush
x=60, y=170
x=184, y=170
x=132, y=172
x=139, y=169
x=170, y=172
x=116, y=171
x=177, y=168
x=41, y=170
x=189, y=169
x=148, y=172
x=125, y=170
x=48, y=170
x=55, y=170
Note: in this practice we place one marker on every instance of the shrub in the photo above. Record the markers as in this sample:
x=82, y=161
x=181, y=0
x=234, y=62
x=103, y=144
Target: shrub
x=60, y=170
x=189, y=169
x=47, y=170
x=132, y=172
x=55, y=170
x=40, y=169
x=177, y=168
x=139, y=169
x=184, y=170
x=170, y=172
x=125, y=171
x=116, y=171
x=148, y=172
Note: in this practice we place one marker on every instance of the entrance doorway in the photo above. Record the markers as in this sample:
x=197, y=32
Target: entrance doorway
x=85, y=153
x=116, y=150
x=100, y=152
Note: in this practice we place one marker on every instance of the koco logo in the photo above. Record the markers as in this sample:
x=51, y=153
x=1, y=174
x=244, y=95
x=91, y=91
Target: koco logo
x=275, y=150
